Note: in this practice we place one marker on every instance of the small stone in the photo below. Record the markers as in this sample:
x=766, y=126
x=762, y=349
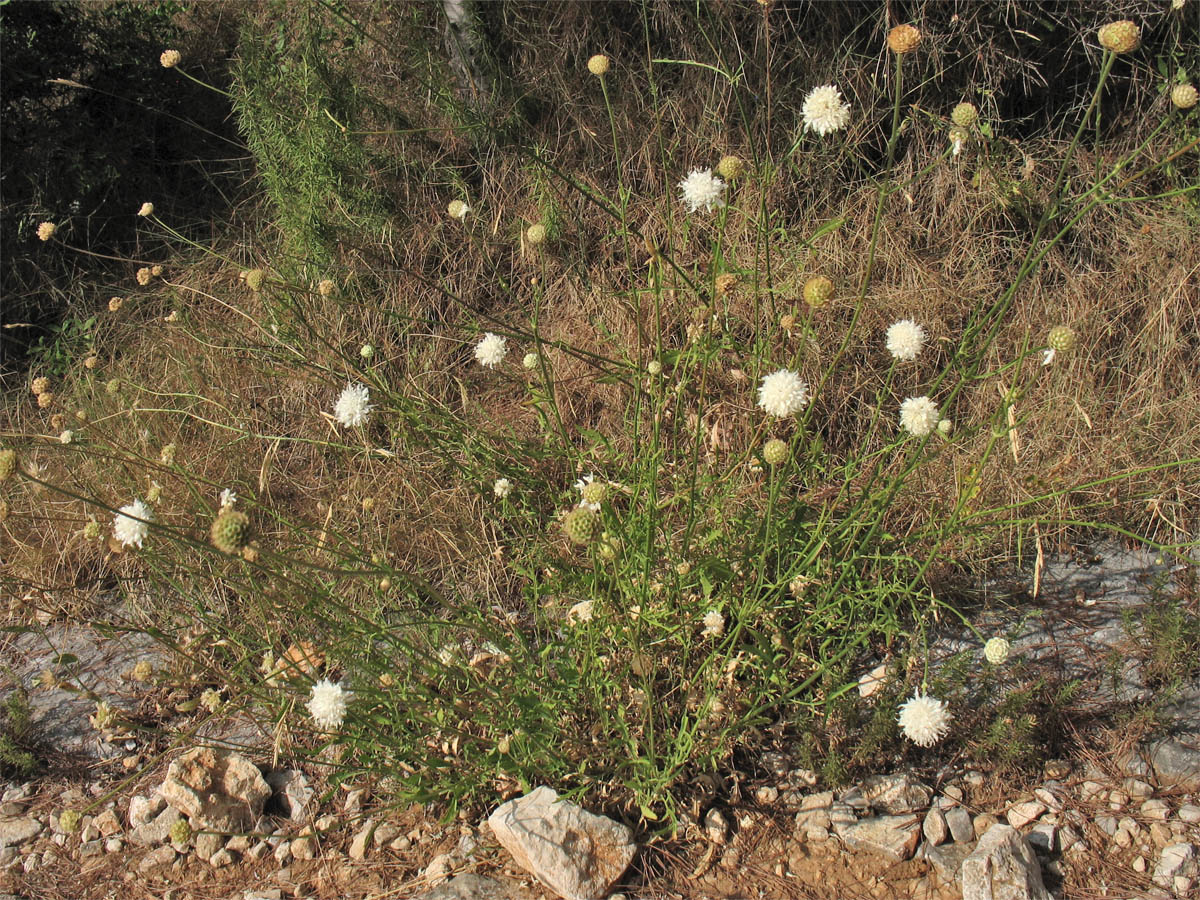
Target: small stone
x=385, y=834
x=143, y=809
x=973, y=778
x=946, y=860
x=90, y=848
x=439, y=868
x=1021, y=814
x=156, y=830
x=1136, y=788
x=1092, y=790
x=766, y=795
x=259, y=850
x=1189, y=812
x=1177, y=859
x=108, y=823
x=239, y=843
x=114, y=845
x=32, y=861
x=358, y=846
x=1049, y=798
x=326, y=823
x=1041, y=836
x=207, y=843
x=283, y=853
x=1123, y=838
x=1057, y=768
x=303, y=848
x=1002, y=865
x=1176, y=764
x=983, y=823
x=1161, y=834
x=952, y=794
x=1069, y=839
x=961, y=828
x=934, y=827
x=894, y=836
x=220, y=859
x=17, y=831
x=160, y=856
x=1183, y=885
x=1156, y=809
x=400, y=844
x=1131, y=825
x=716, y=828
x=1139, y=864
x=354, y=800
x=1107, y=824
x=8, y=856
x=1117, y=799
x=896, y=794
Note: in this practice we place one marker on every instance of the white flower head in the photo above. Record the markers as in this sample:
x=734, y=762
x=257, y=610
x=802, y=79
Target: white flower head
x=227, y=498
x=66, y=437
x=327, y=705
x=147, y=209
x=592, y=492
x=905, y=339
x=1048, y=356
x=714, y=624
x=352, y=407
x=580, y=612
x=919, y=416
x=531, y=360
x=995, y=650
x=502, y=488
x=782, y=393
x=490, y=351
x=824, y=110
x=702, y=188
x=458, y=209
x=925, y=719
x=131, y=524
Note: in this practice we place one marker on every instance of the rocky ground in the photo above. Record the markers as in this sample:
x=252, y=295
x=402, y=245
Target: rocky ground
x=1121, y=819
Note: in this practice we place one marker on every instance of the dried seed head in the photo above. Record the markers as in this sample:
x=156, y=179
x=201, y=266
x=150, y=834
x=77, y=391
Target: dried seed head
x=964, y=115
x=817, y=291
x=1120, y=37
x=903, y=39
x=598, y=64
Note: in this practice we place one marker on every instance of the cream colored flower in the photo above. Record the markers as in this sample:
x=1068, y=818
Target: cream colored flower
x=170, y=58
x=702, y=190
x=327, y=705
x=919, y=416
x=46, y=230
x=146, y=210
x=491, y=350
x=905, y=339
x=782, y=393
x=714, y=624
x=924, y=719
x=598, y=64
x=824, y=111
x=995, y=650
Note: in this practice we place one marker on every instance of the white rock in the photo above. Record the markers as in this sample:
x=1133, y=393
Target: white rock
x=362, y=839
x=1021, y=814
x=870, y=682
x=715, y=827
x=216, y=789
x=894, y=836
x=18, y=831
x=1189, y=812
x=1003, y=865
x=1156, y=809
x=571, y=851
x=1175, y=860
x=934, y=827
x=114, y=845
x=160, y=856
x=961, y=827
x=439, y=868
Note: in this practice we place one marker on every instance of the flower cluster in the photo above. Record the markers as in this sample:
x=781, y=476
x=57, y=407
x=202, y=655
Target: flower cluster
x=132, y=524
x=782, y=393
x=327, y=705
x=919, y=416
x=352, y=407
x=702, y=190
x=924, y=719
x=491, y=350
x=905, y=339
x=824, y=110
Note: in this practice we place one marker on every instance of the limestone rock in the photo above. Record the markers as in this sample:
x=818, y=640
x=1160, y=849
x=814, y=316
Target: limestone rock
x=156, y=830
x=362, y=840
x=934, y=827
x=946, y=859
x=469, y=887
x=896, y=794
x=894, y=836
x=208, y=844
x=160, y=856
x=142, y=809
x=571, y=851
x=107, y=823
x=1176, y=764
x=1176, y=861
x=1002, y=867
x=290, y=794
x=18, y=831
x=961, y=827
x=1021, y=814
x=216, y=789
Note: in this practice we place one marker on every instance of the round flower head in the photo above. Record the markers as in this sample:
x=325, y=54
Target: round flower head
x=91, y=531
x=502, y=488
x=903, y=39
x=8, y=463
x=924, y=719
x=254, y=279
x=115, y=304
x=702, y=189
x=181, y=831
x=598, y=64
x=156, y=271
x=530, y=361
x=1061, y=338
x=905, y=339
x=491, y=350
x=919, y=416
x=46, y=230
x=167, y=456
x=580, y=525
x=1119, y=37
x=352, y=407
x=66, y=437
x=775, y=451
x=945, y=426
x=91, y=362
x=964, y=115
x=1184, y=96
x=592, y=491
x=40, y=385
x=714, y=624
x=112, y=387
x=230, y=530
x=327, y=705
x=782, y=393
x=536, y=234
x=995, y=650
x=731, y=167
x=68, y=821
x=45, y=399
x=654, y=367
x=144, y=275
x=366, y=351
x=131, y=524
x=824, y=110
x=146, y=210
x=325, y=287
x=458, y=210
x=170, y=58
x=817, y=291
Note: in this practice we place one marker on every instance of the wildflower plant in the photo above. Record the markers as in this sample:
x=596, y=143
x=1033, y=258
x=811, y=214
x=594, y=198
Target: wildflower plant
x=738, y=555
